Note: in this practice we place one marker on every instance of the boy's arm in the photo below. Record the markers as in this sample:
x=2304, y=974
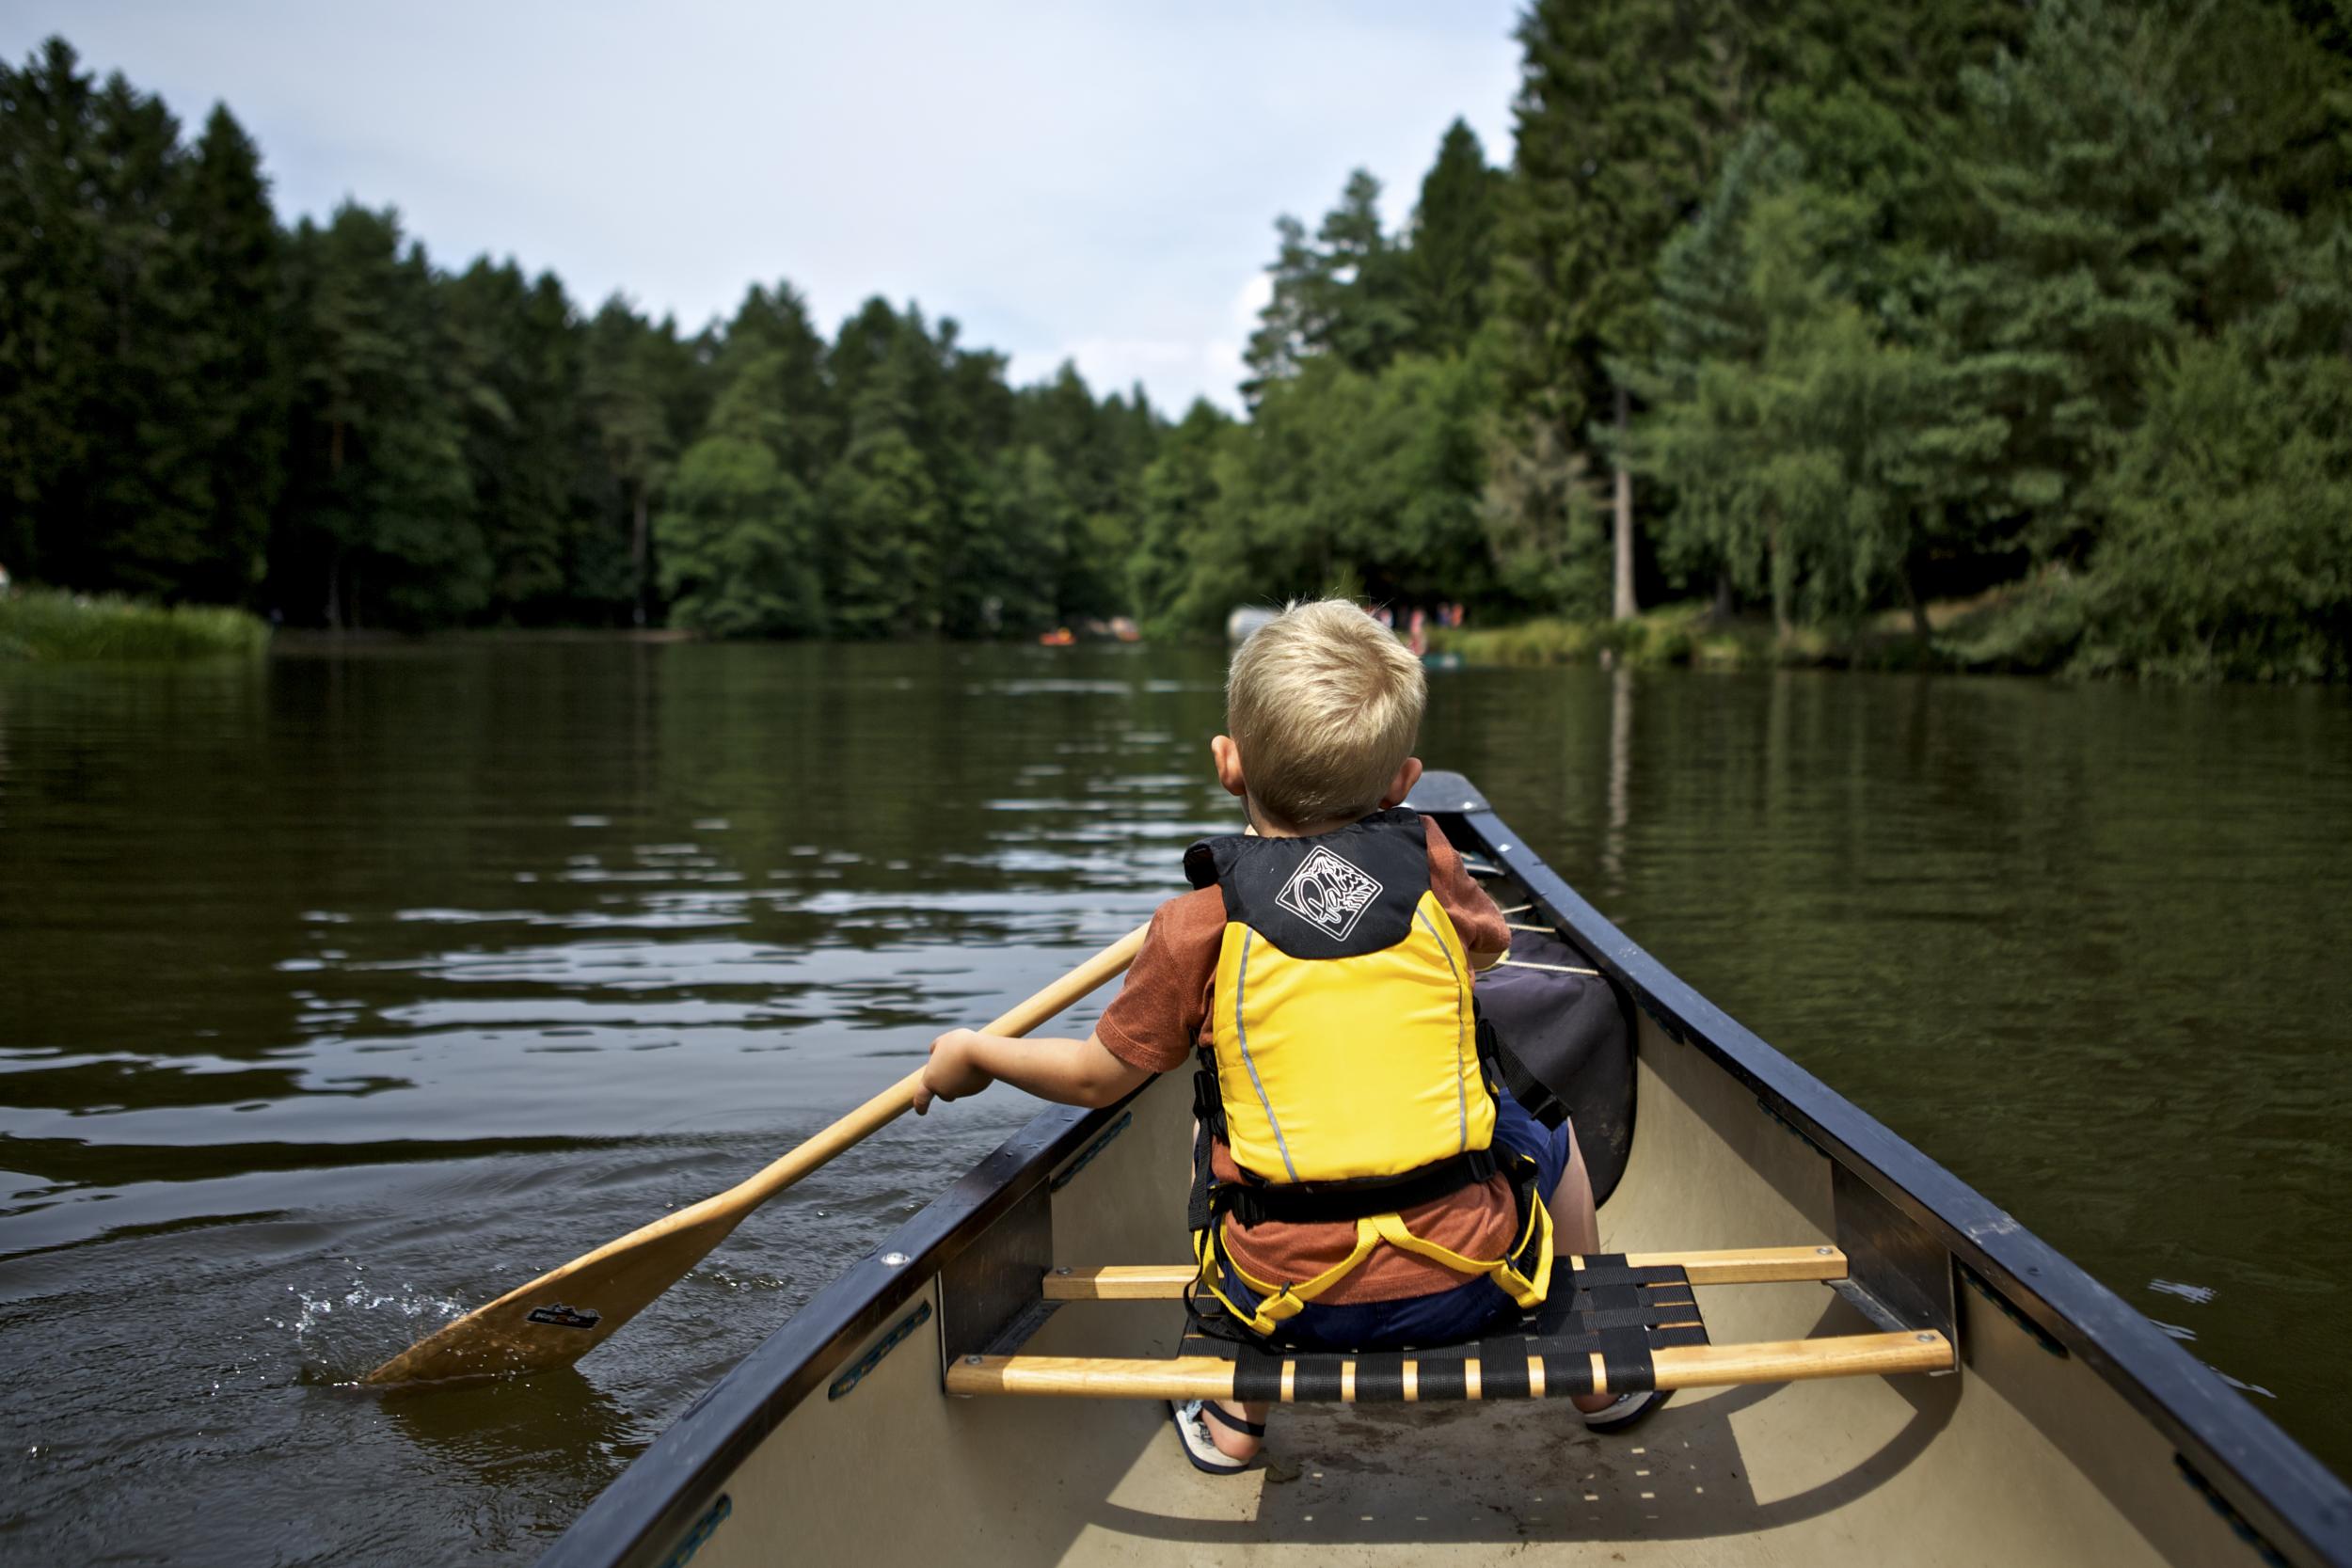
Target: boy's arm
x=1148, y=1028
x=1484, y=931
x=1071, y=1072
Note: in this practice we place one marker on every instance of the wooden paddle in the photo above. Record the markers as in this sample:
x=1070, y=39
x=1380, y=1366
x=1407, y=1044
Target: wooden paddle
x=566, y=1313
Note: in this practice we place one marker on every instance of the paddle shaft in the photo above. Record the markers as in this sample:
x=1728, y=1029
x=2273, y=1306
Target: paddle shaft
x=564, y=1313
x=893, y=1102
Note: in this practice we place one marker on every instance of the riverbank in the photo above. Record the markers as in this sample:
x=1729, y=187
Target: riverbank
x=45, y=624
x=2050, y=626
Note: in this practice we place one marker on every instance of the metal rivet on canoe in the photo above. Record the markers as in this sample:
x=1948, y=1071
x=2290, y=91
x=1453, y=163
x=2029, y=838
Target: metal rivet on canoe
x=1925, y=1339
x=1063, y=1270
x=895, y=1259
x=1822, y=1251
x=972, y=1360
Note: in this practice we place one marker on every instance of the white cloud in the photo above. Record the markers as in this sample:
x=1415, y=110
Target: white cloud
x=1066, y=179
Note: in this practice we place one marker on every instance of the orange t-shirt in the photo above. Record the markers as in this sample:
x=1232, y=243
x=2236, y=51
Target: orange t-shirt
x=1157, y=1020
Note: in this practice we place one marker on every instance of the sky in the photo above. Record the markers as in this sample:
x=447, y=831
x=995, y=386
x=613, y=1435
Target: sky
x=1088, y=182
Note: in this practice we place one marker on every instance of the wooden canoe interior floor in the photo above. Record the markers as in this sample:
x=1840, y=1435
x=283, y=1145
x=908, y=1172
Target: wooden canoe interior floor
x=1393, y=1483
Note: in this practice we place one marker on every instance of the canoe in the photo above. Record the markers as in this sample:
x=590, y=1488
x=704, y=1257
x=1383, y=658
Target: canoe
x=1873, y=1363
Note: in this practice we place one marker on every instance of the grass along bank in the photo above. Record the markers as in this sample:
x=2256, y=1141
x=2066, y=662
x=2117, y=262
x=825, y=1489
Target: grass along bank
x=1686, y=633
x=46, y=624
x=2055, y=624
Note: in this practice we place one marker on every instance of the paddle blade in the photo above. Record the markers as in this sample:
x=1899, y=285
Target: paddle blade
x=566, y=1313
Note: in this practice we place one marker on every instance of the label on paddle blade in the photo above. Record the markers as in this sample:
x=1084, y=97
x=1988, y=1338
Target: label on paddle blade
x=556, y=1315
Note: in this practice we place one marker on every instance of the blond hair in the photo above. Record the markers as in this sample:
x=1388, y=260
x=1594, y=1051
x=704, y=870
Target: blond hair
x=1325, y=705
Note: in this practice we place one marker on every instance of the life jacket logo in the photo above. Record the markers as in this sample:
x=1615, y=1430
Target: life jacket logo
x=1328, y=892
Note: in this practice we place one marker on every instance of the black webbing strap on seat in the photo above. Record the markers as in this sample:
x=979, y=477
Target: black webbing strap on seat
x=1605, y=1309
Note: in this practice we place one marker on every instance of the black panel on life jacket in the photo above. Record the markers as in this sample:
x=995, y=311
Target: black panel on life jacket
x=1333, y=895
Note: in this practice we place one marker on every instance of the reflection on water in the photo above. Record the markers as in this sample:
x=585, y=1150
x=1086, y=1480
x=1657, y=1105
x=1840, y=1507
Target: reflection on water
x=338, y=993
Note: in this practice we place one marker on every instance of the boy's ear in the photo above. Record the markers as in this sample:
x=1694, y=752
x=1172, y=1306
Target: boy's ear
x=1228, y=756
x=1402, y=786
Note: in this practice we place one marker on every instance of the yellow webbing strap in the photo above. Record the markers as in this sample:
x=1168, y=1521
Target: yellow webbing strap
x=1279, y=1299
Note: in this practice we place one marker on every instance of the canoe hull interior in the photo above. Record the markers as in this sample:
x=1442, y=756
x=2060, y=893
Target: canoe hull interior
x=2024, y=1458
x=2029, y=1455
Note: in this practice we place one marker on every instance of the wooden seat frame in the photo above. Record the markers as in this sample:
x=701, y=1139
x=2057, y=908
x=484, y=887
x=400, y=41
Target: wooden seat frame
x=1448, y=1373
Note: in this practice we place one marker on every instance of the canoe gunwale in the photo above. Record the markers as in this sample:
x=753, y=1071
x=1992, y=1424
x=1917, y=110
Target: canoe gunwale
x=2287, y=1494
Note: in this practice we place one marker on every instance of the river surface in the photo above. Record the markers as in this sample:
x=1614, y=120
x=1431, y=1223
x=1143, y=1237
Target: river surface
x=342, y=992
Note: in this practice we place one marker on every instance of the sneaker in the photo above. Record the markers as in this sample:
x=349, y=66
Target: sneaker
x=1192, y=1430
x=1621, y=1412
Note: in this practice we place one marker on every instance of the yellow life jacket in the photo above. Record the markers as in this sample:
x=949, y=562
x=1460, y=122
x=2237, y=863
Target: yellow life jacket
x=1343, y=1069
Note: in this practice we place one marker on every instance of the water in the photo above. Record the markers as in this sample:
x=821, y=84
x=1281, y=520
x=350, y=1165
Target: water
x=340, y=993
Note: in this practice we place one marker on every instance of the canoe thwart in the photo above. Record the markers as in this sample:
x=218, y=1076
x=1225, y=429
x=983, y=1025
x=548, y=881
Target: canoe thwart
x=1615, y=1323
x=1745, y=1266
x=1462, y=1373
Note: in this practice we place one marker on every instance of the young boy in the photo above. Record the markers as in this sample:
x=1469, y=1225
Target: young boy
x=1366, y=1188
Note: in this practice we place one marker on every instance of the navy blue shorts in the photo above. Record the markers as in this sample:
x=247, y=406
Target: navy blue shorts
x=1448, y=1316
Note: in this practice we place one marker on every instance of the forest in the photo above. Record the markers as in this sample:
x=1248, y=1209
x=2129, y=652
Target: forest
x=1807, y=314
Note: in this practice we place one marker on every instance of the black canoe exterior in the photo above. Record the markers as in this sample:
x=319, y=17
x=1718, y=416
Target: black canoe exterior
x=2294, y=1503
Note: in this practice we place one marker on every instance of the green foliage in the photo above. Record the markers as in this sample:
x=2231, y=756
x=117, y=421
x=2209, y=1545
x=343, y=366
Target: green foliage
x=382, y=526
x=1683, y=633
x=736, y=544
x=513, y=361
x=112, y=428
x=881, y=514
x=1183, y=575
x=1450, y=266
x=1346, y=293
x=2041, y=309
x=238, y=254
x=45, y=623
x=2229, y=553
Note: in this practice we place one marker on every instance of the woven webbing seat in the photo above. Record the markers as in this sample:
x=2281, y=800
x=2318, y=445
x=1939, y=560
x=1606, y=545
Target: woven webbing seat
x=1613, y=1324
x=1598, y=1336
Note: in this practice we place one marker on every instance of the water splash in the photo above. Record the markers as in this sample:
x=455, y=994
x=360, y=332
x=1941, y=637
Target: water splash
x=337, y=1330
x=2200, y=1294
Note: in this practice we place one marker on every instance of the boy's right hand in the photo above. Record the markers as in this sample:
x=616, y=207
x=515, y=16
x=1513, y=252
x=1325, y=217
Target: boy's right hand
x=953, y=1070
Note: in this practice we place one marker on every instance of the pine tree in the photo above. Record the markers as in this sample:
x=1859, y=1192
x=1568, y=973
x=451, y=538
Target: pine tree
x=1450, y=263
x=1175, y=508
x=52, y=325
x=148, y=494
x=774, y=323
x=1622, y=110
x=737, y=531
x=2098, y=234
x=378, y=527
x=514, y=358
x=238, y=254
x=1346, y=293
x=630, y=384
x=879, y=508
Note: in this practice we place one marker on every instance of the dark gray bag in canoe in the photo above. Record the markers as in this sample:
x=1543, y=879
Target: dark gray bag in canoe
x=1564, y=1043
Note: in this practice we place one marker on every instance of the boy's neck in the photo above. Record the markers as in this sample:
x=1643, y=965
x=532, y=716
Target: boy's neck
x=1266, y=825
